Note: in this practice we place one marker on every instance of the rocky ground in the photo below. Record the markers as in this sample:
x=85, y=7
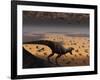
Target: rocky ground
x=80, y=56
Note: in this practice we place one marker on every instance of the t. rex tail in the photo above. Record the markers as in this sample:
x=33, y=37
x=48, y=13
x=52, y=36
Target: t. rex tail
x=44, y=42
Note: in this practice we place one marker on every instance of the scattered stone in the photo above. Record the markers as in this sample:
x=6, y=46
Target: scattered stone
x=76, y=50
x=86, y=50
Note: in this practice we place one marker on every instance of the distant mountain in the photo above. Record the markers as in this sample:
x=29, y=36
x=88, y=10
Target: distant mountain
x=71, y=34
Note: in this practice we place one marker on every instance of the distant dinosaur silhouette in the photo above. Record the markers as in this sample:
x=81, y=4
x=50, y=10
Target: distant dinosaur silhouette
x=56, y=47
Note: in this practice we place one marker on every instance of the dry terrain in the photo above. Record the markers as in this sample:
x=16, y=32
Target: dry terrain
x=80, y=54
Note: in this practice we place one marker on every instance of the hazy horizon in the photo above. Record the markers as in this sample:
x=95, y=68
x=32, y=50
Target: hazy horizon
x=50, y=25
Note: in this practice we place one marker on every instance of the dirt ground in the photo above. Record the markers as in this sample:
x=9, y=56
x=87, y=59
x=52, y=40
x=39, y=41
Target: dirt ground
x=80, y=54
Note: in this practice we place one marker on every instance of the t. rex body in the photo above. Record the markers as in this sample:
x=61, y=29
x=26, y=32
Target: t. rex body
x=56, y=47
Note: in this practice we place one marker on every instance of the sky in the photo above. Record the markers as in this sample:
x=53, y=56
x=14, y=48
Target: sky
x=45, y=25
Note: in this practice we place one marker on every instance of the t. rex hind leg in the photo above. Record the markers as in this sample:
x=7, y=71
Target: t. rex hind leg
x=57, y=58
x=71, y=52
x=49, y=57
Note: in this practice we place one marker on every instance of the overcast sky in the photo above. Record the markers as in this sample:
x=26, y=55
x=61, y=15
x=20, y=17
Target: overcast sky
x=39, y=26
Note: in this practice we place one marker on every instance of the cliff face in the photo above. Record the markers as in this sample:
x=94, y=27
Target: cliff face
x=69, y=17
